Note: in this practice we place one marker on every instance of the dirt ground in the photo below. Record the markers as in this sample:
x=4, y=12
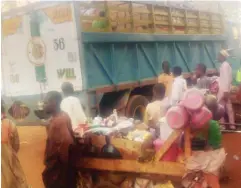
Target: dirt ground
x=33, y=144
x=31, y=153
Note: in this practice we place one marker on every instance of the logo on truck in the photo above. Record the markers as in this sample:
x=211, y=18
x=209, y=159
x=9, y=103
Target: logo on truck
x=36, y=51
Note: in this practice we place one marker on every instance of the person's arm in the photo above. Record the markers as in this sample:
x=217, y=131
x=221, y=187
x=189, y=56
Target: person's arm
x=185, y=85
x=147, y=117
x=64, y=106
x=14, y=139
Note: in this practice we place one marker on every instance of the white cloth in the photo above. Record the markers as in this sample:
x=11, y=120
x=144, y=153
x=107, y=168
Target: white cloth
x=225, y=79
x=72, y=106
x=206, y=161
x=224, y=53
x=179, y=86
x=165, y=129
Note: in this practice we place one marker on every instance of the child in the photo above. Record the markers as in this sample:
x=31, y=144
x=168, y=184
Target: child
x=156, y=109
x=166, y=77
x=58, y=172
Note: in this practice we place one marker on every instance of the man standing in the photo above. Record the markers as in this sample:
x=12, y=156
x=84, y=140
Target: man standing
x=71, y=105
x=166, y=78
x=203, y=81
x=225, y=84
x=59, y=171
x=179, y=86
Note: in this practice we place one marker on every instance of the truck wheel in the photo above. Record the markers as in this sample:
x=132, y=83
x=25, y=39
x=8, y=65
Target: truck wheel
x=136, y=107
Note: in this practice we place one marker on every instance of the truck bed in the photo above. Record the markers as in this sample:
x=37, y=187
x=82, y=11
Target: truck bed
x=112, y=59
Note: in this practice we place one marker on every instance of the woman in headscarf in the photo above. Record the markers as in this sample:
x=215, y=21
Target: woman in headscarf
x=12, y=172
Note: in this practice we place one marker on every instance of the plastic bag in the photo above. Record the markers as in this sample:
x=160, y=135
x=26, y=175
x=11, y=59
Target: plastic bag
x=238, y=76
x=165, y=129
x=139, y=135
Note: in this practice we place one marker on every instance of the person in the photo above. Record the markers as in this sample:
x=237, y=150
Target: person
x=100, y=23
x=225, y=84
x=157, y=108
x=72, y=106
x=12, y=172
x=166, y=77
x=59, y=170
x=203, y=81
x=179, y=86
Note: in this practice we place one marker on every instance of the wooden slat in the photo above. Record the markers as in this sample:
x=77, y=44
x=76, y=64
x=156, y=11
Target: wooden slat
x=133, y=10
x=120, y=9
x=140, y=11
x=192, y=25
x=192, y=17
x=92, y=18
x=172, y=138
x=161, y=13
x=99, y=141
x=92, y=5
x=179, y=24
x=166, y=168
x=153, y=18
x=162, y=22
x=124, y=30
x=122, y=21
x=142, y=22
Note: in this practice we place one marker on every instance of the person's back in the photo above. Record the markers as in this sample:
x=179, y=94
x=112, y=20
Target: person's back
x=71, y=105
x=156, y=109
x=11, y=171
x=179, y=86
x=166, y=78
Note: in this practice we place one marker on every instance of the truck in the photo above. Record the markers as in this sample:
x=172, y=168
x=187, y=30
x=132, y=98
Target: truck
x=113, y=67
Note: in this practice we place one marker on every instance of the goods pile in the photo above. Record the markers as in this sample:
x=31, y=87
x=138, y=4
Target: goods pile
x=117, y=137
x=191, y=112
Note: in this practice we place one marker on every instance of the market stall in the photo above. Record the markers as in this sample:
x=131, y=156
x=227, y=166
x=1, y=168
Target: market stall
x=123, y=152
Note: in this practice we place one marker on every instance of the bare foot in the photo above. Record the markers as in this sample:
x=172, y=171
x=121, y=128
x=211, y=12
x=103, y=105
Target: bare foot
x=232, y=127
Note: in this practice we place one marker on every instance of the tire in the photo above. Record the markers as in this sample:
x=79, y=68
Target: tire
x=136, y=107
